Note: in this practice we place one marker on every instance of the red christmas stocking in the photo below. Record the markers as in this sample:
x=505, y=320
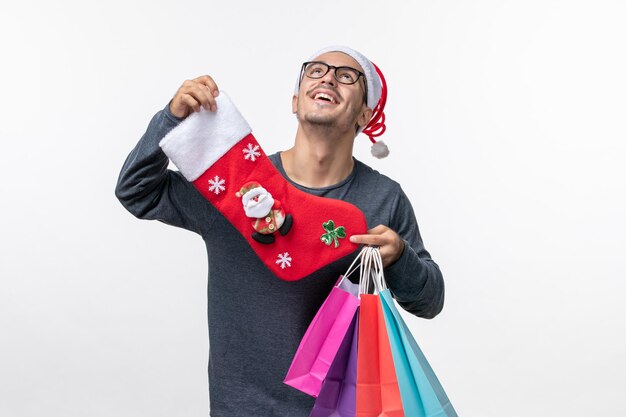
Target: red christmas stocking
x=294, y=233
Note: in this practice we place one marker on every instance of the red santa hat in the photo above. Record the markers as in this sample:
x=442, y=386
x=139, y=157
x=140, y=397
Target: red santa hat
x=376, y=96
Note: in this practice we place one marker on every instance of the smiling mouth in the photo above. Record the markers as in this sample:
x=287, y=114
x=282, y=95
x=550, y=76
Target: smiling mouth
x=324, y=97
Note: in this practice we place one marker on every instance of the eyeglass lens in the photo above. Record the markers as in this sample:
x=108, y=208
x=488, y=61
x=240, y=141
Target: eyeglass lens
x=344, y=75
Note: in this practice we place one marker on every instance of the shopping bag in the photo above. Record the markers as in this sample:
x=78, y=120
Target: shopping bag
x=421, y=391
x=323, y=338
x=377, y=390
x=337, y=397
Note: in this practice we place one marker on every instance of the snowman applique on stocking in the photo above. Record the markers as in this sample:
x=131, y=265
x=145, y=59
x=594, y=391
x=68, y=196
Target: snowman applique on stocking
x=294, y=233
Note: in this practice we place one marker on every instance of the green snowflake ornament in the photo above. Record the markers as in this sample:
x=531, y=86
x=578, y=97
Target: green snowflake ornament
x=332, y=234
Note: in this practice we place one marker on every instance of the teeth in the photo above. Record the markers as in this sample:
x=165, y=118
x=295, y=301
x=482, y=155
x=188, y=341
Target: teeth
x=324, y=96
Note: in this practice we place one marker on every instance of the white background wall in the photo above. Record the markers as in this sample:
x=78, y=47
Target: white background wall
x=506, y=127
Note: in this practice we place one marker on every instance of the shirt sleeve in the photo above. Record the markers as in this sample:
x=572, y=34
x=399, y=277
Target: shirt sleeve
x=415, y=280
x=151, y=191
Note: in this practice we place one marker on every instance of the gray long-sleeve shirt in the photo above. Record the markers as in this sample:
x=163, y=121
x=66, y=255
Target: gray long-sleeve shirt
x=256, y=320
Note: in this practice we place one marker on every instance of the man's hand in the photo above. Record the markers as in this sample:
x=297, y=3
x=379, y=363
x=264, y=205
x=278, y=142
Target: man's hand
x=192, y=94
x=388, y=241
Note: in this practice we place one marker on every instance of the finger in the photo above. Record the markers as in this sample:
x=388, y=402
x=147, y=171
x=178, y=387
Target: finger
x=211, y=86
x=190, y=102
x=208, y=81
x=201, y=93
x=374, y=233
x=376, y=240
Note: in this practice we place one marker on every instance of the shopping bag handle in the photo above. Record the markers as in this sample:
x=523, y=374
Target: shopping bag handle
x=372, y=277
x=353, y=266
x=370, y=266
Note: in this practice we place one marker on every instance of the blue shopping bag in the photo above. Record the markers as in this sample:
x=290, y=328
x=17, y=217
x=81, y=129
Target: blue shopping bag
x=421, y=392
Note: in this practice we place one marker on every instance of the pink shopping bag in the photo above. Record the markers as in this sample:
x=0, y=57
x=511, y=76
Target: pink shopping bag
x=323, y=338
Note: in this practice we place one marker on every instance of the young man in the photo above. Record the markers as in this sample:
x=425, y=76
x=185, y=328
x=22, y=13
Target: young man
x=256, y=320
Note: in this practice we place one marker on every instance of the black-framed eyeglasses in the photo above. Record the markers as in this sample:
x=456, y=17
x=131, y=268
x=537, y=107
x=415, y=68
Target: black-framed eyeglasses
x=344, y=75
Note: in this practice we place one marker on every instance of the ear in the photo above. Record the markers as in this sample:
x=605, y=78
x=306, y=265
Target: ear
x=365, y=116
x=294, y=104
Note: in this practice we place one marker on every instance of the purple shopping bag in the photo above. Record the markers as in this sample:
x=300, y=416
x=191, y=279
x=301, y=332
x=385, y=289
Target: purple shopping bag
x=323, y=338
x=337, y=397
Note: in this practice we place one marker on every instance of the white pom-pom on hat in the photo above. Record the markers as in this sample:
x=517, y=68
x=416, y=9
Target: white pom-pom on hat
x=380, y=149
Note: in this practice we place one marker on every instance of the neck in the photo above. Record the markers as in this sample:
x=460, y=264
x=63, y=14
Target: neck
x=317, y=158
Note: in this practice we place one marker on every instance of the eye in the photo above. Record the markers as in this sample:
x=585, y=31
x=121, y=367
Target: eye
x=346, y=76
x=316, y=70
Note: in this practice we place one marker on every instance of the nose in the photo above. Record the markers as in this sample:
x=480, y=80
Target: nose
x=329, y=78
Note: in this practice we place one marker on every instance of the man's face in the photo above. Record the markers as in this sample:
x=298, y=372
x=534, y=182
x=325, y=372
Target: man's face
x=327, y=102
